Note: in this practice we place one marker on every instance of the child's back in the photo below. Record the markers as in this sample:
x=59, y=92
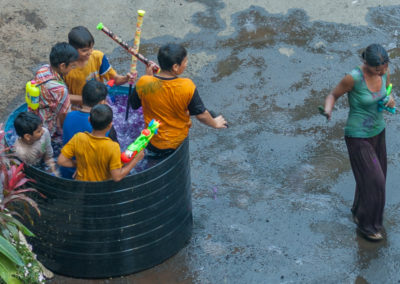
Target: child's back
x=54, y=101
x=95, y=156
x=168, y=101
x=93, y=93
x=76, y=121
x=171, y=100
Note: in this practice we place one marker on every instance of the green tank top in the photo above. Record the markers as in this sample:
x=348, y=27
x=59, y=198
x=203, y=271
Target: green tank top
x=364, y=120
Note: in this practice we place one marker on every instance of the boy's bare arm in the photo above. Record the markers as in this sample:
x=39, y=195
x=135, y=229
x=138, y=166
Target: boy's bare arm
x=52, y=165
x=65, y=162
x=120, y=173
x=75, y=99
x=207, y=119
x=61, y=118
x=131, y=77
x=119, y=79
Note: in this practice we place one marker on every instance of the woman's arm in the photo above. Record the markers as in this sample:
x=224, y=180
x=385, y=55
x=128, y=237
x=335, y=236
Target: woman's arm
x=344, y=86
x=391, y=103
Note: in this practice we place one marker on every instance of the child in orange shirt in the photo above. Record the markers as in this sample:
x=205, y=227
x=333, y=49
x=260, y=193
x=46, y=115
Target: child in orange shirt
x=171, y=100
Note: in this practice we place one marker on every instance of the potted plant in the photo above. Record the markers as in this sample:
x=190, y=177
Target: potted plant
x=17, y=262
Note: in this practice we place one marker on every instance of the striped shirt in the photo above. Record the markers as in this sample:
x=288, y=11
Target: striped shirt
x=54, y=99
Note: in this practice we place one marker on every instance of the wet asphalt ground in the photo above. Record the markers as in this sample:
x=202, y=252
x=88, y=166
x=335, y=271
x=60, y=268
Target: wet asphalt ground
x=272, y=193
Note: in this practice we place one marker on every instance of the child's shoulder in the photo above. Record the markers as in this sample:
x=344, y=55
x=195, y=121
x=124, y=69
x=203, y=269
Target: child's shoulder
x=76, y=114
x=151, y=78
x=186, y=84
x=114, y=146
x=97, y=54
x=43, y=74
x=81, y=136
x=105, y=145
x=46, y=131
x=19, y=143
x=49, y=77
x=186, y=80
x=146, y=79
x=44, y=68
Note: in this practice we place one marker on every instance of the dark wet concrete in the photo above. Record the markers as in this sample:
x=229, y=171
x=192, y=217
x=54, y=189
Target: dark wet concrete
x=272, y=193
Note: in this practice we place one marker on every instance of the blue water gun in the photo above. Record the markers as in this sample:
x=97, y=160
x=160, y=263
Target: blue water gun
x=385, y=100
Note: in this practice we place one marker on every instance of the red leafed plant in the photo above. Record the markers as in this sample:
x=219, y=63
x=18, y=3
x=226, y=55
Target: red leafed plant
x=17, y=263
x=13, y=187
x=13, y=182
x=13, y=179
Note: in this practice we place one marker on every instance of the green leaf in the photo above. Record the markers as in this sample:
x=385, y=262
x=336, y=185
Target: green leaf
x=19, y=225
x=6, y=234
x=7, y=270
x=13, y=233
x=10, y=252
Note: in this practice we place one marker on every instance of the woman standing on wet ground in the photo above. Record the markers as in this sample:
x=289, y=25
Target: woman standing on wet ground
x=365, y=136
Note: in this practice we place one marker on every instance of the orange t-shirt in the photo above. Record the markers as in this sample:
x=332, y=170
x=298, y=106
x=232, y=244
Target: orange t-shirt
x=167, y=100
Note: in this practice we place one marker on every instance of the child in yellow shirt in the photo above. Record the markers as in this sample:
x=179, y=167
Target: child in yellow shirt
x=91, y=65
x=98, y=158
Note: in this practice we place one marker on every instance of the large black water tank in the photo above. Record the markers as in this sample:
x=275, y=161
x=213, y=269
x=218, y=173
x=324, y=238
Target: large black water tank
x=106, y=229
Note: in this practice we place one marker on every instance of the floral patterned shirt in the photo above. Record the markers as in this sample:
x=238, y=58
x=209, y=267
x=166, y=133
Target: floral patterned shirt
x=54, y=99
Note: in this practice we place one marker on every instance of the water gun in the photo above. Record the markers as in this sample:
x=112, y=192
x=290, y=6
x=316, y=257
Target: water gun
x=140, y=142
x=385, y=100
x=214, y=115
x=321, y=110
x=131, y=50
x=136, y=43
x=32, y=94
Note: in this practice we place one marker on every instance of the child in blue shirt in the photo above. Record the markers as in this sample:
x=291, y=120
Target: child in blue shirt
x=93, y=93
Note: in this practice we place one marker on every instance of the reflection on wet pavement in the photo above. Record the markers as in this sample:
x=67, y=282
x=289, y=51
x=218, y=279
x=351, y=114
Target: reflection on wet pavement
x=272, y=194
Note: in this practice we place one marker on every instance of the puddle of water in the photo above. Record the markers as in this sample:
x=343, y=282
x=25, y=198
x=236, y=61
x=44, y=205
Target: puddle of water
x=284, y=184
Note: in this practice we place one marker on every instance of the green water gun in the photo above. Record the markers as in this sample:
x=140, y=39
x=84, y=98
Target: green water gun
x=385, y=100
x=321, y=110
x=141, y=142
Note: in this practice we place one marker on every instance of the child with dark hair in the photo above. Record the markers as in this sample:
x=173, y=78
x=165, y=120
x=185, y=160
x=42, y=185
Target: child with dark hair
x=54, y=102
x=33, y=145
x=92, y=64
x=93, y=93
x=365, y=136
x=98, y=158
x=171, y=100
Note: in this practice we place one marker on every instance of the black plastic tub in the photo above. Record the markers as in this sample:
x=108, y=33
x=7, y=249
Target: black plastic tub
x=107, y=229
